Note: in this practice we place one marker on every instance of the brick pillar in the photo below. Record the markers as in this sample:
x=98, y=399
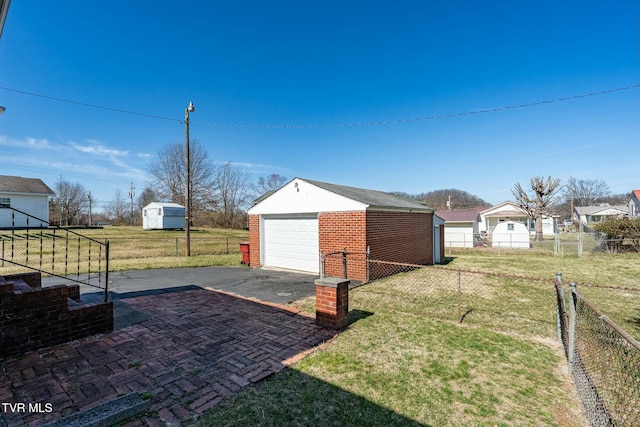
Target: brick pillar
x=332, y=302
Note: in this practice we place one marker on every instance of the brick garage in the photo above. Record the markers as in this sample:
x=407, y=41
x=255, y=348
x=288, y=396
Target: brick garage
x=292, y=226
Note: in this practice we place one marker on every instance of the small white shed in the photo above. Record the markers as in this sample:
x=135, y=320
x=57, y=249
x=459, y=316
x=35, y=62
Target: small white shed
x=163, y=216
x=510, y=234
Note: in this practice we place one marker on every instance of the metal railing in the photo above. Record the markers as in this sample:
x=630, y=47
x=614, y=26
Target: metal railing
x=344, y=263
x=35, y=244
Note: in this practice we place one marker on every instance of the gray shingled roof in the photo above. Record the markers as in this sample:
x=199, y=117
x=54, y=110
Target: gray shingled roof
x=373, y=198
x=590, y=210
x=18, y=184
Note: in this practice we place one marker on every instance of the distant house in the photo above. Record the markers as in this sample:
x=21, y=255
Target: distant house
x=163, y=216
x=510, y=211
x=589, y=214
x=461, y=227
x=28, y=195
x=634, y=203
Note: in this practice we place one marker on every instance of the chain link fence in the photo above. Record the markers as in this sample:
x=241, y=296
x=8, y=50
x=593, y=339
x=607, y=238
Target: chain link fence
x=575, y=243
x=604, y=359
x=506, y=303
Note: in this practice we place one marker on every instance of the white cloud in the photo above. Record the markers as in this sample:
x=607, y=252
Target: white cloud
x=37, y=143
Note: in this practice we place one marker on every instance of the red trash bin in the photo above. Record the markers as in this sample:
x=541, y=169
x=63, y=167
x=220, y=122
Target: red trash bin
x=244, y=248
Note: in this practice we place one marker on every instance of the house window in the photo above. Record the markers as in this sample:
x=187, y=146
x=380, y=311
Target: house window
x=5, y=201
x=510, y=227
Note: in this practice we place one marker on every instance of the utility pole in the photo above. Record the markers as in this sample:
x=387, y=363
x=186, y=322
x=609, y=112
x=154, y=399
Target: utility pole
x=131, y=194
x=90, y=200
x=571, y=191
x=187, y=225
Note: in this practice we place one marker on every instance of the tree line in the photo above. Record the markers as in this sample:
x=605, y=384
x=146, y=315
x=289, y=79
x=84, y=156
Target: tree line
x=221, y=194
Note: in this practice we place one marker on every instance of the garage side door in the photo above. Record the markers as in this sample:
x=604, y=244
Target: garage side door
x=291, y=242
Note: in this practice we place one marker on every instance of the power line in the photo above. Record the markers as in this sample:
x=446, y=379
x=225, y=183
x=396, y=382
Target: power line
x=338, y=125
x=84, y=104
x=416, y=119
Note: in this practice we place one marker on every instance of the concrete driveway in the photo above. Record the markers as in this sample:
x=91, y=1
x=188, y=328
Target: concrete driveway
x=275, y=286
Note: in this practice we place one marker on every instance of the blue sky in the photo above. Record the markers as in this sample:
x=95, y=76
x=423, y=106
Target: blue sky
x=273, y=84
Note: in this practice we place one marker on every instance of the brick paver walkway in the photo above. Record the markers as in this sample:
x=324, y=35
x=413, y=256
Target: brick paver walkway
x=198, y=348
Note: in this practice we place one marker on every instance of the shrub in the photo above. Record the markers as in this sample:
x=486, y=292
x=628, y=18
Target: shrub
x=620, y=233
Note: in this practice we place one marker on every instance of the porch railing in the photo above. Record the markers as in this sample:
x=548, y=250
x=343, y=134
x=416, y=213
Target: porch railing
x=35, y=244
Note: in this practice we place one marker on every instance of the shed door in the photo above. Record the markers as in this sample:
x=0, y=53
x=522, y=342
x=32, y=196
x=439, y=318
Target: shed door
x=291, y=242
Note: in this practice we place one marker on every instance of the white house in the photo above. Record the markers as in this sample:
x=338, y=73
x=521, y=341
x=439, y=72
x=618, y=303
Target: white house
x=460, y=227
x=588, y=214
x=634, y=203
x=510, y=211
x=163, y=216
x=511, y=235
x=28, y=195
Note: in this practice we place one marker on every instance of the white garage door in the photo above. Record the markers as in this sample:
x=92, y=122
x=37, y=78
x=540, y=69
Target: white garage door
x=291, y=242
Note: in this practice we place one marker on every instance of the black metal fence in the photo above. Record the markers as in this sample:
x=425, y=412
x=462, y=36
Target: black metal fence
x=32, y=243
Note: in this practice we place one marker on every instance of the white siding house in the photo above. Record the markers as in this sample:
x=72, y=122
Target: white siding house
x=509, y=211
x=28, y=195
x=460, y=227
x=634, y=203
x=589, y=214
x=163, y=216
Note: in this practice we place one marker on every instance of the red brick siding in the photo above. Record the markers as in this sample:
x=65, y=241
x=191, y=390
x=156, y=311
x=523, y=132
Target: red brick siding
x=338, y=230
x=400, y=236
x=254, y=240
x=41, y=317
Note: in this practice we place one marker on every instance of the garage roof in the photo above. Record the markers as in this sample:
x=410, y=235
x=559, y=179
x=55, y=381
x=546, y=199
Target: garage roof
x=373, y=198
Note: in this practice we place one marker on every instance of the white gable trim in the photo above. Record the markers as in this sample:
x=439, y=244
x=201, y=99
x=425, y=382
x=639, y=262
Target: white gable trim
x=299, y=196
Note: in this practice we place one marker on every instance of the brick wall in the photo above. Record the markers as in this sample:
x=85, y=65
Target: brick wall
x=41, y=317
x=254, y=240
x=400, y=236
x=337, y=230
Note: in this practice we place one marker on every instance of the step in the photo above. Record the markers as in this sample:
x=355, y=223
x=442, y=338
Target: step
x=106, y=414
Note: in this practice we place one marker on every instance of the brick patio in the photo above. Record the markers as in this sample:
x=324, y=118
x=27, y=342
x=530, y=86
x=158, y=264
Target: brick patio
x=198, y=348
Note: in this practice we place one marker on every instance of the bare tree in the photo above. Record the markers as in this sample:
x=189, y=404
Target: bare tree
x=231, y=195
x=147, y=196
x=541, y=201
x=69, y=202
x=586, y=192
x=270, y=183
x=117, y=209
x=168, y=169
